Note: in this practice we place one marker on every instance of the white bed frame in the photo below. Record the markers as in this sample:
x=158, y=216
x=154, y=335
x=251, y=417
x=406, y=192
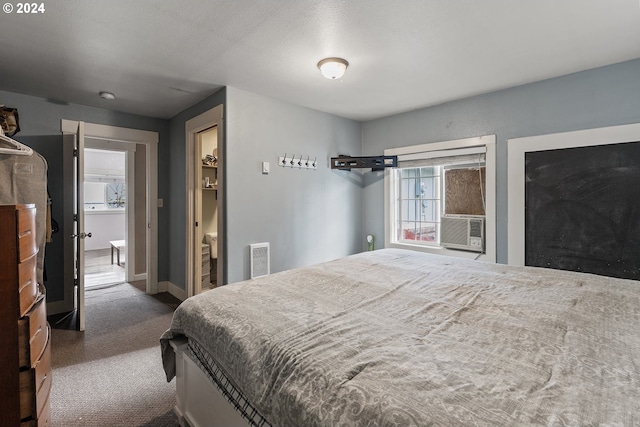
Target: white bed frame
x=199, y=403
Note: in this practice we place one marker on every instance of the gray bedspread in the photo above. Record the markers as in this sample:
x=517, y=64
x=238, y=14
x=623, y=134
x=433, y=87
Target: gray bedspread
x=401, y=338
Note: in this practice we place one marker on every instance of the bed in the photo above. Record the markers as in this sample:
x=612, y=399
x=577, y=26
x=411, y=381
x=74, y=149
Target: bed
x=401, y=338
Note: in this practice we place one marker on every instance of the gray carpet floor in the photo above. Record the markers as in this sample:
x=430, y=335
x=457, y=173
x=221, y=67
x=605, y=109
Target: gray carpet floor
x=111, y=374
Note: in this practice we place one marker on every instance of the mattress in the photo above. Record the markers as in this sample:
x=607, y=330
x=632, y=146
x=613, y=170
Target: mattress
x=401, y=338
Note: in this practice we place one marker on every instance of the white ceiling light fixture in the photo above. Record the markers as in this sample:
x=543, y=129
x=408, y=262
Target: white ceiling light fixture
x=333, y=68
x=107, y=95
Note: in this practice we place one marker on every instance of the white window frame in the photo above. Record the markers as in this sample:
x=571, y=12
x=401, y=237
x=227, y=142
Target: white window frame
x=439, y=149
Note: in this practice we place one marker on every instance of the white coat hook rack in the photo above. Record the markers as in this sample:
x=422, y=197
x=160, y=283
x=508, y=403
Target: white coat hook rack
x=298, y=162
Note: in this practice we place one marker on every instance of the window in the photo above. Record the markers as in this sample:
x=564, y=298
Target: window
x=427, y=194
x=100, y=195
x=438, y=188
x=105, y=186
x=418, y=204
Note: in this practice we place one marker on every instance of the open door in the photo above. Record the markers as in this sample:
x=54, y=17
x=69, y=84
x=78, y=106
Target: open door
x=79, y=235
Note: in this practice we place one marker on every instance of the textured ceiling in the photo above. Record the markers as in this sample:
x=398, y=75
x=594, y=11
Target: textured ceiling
x=161, y=56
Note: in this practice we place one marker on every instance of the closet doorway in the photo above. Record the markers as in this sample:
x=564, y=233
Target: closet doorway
x=205, y=202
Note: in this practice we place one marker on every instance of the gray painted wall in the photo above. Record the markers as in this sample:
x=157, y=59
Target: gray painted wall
x=40, y=129
x=319, y=213
x=606, y=96
x=312, y=216
x=307, y=216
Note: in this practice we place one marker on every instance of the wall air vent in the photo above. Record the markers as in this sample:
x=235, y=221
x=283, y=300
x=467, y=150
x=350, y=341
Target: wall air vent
x=260, y=259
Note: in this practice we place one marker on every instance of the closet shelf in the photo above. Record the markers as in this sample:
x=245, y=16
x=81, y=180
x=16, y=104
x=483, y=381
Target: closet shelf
x=210, y=166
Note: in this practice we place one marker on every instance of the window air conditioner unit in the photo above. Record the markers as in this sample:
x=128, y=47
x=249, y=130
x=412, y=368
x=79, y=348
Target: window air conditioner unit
x=462, y=232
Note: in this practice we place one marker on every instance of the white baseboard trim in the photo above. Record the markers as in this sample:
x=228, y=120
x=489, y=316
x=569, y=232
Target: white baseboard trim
x=141, y=276
x=174, y=290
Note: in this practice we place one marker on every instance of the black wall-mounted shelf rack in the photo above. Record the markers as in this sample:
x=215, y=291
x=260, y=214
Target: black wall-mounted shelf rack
x=376, y=163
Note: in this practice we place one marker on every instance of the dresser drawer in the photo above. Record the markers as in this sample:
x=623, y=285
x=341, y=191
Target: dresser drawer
x=32, y=333
x=27, y=284
x=44, y=417
x=27, y=242
x=29, y=423
x=35, y=385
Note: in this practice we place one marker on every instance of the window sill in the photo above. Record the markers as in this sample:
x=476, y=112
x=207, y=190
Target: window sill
x=438, y=250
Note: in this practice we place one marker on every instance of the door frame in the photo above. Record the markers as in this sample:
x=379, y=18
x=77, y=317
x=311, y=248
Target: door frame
x=150, y=140
x=202, y=122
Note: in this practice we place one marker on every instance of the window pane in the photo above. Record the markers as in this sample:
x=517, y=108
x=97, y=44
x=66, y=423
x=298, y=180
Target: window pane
x=116, y=195
x=430, y=187
x=408, y=173
x=411, y=212
x=411, y=188
x=426, y=232
x=428, y=171
x=430, y=210
x=408, y=230
x=419, y=188
x=404, y=189
x=409, y=185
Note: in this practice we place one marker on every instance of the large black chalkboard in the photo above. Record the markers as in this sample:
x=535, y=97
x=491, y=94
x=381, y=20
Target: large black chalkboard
x=582, y=209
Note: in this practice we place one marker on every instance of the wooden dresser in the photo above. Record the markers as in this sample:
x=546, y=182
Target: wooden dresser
x=25, y=345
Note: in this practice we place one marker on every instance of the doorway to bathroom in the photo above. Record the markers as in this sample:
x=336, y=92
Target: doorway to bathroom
x=207, y=206
x=205, y=202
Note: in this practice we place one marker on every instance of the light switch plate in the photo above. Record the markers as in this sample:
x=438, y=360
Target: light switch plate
x=265, y=167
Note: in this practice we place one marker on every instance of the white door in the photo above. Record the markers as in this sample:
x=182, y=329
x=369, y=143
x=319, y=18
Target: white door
x=198, y=233
x=79, y=234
